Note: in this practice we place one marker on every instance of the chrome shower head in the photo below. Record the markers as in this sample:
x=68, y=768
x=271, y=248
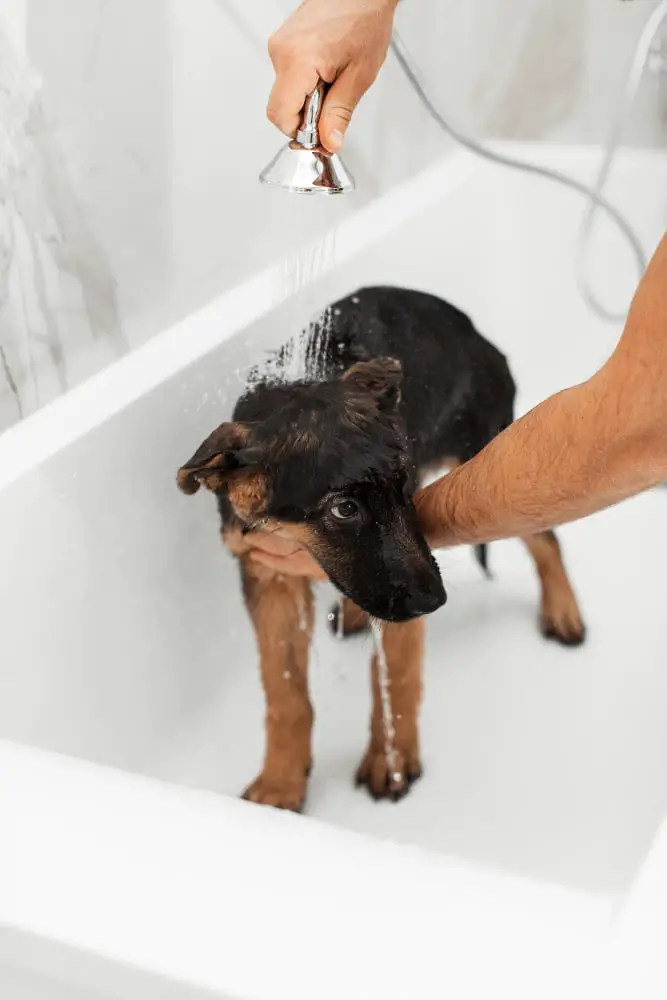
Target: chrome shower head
x=303, y=165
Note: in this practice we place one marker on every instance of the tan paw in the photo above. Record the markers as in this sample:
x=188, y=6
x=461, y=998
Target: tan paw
x=561, y=621
x=267, y=790
x=384, y=781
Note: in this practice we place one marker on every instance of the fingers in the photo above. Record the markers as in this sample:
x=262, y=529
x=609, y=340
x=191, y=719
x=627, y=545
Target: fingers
x=340, y=103
x=293, y=84
x=299, y=564
x=273, y=542
x=296, y=80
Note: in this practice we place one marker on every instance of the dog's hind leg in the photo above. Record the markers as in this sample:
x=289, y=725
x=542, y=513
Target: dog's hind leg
x=281, y=609
x=404, y=649
x=560, y=618
x=354, y=620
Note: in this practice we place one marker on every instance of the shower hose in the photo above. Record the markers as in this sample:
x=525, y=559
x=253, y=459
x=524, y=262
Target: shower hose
x=596, y=202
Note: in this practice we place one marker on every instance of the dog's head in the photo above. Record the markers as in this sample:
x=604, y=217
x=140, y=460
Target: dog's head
x=327, y=463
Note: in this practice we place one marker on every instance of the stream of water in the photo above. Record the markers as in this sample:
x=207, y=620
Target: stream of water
x=384, y=685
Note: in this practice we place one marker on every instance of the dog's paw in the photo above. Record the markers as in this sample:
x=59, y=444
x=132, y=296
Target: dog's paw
x=268, y=791
x=561, y=621
x=384, y=781
x=346, y=619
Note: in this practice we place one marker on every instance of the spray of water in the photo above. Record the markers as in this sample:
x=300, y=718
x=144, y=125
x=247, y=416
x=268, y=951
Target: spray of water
x=303, y=614
x=340, y=624
x=303, y=356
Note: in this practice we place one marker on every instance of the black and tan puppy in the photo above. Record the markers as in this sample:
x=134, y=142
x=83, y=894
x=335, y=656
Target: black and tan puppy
x=405, y=384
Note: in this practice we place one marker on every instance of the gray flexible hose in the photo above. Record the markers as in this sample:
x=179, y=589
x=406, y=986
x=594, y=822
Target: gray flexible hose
x=596, y=201
x=639, y=62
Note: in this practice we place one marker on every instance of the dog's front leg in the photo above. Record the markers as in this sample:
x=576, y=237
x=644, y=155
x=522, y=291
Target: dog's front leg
x=282, y=612
x=390, y=766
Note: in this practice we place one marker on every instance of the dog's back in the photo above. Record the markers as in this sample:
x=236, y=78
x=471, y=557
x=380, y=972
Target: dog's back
x=457, y=392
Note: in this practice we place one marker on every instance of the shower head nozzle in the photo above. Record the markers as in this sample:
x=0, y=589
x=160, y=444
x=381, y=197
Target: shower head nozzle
x=304, y=166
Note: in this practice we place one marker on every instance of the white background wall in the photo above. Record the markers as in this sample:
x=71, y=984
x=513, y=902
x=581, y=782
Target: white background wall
x=159, y=107
x=155, y=109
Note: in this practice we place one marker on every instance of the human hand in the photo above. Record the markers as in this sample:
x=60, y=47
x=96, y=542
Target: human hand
x=344, y=43
x=283, y=555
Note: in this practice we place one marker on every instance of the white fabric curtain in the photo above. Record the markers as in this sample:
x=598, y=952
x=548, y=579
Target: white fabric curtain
x=55, y=290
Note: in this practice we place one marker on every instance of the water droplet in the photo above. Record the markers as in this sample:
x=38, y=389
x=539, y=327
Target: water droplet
x=340, y=630
x=385, y=696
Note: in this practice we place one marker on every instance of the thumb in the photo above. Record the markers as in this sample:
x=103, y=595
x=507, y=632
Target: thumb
x=339, y=104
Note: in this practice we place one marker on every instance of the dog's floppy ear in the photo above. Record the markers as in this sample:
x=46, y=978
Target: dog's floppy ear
x=223, y=452
x=381, y=378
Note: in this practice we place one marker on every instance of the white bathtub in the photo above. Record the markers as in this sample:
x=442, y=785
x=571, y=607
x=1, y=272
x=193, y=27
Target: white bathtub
x=127, y=866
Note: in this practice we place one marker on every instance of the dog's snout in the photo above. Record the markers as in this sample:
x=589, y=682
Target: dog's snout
x=420, y=597
x=425, y=600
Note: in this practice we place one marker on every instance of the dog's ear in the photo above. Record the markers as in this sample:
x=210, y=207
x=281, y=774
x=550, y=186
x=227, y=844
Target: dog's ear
x=381, y=378
x=223, y=452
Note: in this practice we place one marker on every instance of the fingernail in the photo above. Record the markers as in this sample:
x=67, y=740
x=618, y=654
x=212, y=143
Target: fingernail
x=335, y=139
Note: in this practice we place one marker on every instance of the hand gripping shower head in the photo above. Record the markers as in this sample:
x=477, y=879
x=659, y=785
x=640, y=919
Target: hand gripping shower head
x=303, y=165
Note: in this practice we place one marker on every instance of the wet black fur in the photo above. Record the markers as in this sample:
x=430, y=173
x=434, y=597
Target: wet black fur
x=456, y=394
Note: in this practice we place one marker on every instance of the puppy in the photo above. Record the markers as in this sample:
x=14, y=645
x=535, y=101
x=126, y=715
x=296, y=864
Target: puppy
x=405, y=383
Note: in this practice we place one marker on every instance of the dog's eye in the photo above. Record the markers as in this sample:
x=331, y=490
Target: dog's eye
x=343, y=510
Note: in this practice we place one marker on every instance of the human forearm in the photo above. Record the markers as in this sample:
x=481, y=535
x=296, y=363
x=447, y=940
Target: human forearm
x=578, y=452
x=560, y=462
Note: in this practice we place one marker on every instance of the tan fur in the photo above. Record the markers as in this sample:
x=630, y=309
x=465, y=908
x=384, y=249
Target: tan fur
x=248, y=493
x=404, y=650
x=211, y=456
x=559, y=612
x=282, y=612
x=189, y=480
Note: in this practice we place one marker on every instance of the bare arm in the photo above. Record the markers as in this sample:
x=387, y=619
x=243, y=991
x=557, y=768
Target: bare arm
x=580, y=451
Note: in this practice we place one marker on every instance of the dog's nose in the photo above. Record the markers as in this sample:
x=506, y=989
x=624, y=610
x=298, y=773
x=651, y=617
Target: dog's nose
x=425, y=600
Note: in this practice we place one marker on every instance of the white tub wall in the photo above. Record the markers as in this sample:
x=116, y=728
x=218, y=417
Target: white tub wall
x=90, y=660
x=33, y=967
x=120, y=639
x=141, y=654
x=110, y=692
x=173, y=218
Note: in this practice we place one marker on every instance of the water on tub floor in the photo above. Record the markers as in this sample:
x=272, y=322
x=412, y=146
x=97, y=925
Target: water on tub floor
x=537, y=759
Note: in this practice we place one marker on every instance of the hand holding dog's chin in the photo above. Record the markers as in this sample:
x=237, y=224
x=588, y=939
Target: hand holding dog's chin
x=284, y=556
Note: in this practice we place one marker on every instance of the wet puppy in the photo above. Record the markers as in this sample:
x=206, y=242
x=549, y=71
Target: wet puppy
x=405, y=383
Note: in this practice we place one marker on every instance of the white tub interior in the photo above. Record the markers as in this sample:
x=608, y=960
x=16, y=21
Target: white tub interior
x=127, y=644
